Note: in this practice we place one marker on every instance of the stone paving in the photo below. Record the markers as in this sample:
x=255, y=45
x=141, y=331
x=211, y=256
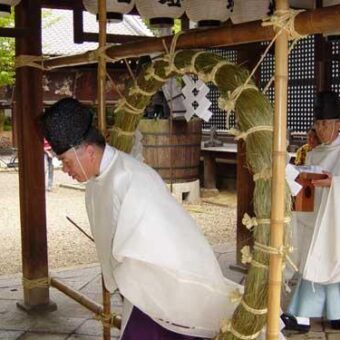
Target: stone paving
x=69, y=321
x=72, y=321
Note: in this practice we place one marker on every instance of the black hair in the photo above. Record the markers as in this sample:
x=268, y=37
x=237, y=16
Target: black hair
x=93, y=136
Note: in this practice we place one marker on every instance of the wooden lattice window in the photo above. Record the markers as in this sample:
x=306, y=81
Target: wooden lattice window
x=335, y=79
x=301, y=91
x=218, y=118
x=301, y=84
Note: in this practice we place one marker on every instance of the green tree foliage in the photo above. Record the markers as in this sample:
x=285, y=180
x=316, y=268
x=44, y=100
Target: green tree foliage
x=7, y=46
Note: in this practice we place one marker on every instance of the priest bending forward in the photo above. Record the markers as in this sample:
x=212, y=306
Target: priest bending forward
x=148, y=246
x=318, y=291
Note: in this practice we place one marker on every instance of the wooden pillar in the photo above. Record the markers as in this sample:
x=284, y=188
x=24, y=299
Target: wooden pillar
x=245, y=189
x=31, y=162
x=322, y=60
x=278, y=179
x=185, y=23
x=323, y=63
x=209, y=164
x=14, y=124
x=248, y=56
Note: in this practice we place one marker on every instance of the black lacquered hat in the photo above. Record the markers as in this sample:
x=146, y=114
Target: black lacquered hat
x=65, y=124
x=327, y=106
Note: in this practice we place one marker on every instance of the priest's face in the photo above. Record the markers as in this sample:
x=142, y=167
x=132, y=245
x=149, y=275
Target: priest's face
x=78, y=163
x=327, y=130
x=312, y=139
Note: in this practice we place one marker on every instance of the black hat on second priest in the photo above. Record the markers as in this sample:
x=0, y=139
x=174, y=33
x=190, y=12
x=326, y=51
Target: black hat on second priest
x=65, y=124
x=327, y=106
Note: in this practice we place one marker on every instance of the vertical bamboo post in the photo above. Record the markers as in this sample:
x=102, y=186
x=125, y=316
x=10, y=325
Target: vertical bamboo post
x=101, y=78
x=101, y=71
x=278, y=180
x=106, y=311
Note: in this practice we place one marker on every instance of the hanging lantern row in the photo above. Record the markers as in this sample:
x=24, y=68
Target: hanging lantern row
x=162, y=13
x=205, y=13
x=114, y=8
x=5, y=7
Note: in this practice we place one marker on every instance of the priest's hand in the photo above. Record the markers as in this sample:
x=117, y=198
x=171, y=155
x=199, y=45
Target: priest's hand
x=325, y=183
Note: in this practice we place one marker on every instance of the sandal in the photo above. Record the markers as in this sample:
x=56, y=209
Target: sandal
x=292, y=324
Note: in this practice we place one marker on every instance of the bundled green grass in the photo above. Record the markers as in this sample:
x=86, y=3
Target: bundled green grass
x=252, y=109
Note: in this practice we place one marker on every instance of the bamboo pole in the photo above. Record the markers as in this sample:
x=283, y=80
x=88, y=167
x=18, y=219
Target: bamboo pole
x=101, y=71
x=278, y=179
x=106, y=310
x=80, y=229
x=101, y=109
x=77, y=296
x=82, y=299
x=320, y=20
x=105, y=293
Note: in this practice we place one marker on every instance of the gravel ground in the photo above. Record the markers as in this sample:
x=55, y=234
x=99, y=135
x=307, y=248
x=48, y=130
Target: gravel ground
x=67, y=247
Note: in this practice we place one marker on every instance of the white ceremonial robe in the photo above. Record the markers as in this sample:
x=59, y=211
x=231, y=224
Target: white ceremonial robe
x=318, y=232
x=151, y=249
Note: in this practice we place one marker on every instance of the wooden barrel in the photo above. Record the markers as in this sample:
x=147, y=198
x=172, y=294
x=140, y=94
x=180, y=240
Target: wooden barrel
x=176, y=158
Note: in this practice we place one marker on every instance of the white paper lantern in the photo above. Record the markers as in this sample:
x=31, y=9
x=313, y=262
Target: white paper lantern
x=208, y=13
x=303, y=4
x=161, y=12
x=245, y=10
x=5, y=7
x=114, y=8
x=327, y=3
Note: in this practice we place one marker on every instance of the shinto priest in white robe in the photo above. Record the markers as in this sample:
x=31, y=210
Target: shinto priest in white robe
x=153, y=251
x=318, y=238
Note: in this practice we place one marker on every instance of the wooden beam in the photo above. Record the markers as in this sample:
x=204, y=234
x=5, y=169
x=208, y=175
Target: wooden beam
x=31, y=159
x=12, y=32
x=62, y=4
x=115, y=38
x=308, y=22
